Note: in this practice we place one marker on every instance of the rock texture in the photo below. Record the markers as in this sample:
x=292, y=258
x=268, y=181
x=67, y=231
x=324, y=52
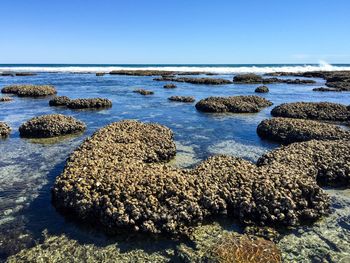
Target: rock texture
x=91, y=103
x=170, y=86
x=324, y=89
x=203, y=81
x=288, y=130
x=313, y=110
x=327, y=161
x=144, y=92
x=30, y=90
x=251, y=78
x=182, y=99
x=5, y=130
x=51, y=125
x=244, y=249
x=6, y=99
x=59, y=101
x=236, y=104
x=262, y=89
x=117, y=179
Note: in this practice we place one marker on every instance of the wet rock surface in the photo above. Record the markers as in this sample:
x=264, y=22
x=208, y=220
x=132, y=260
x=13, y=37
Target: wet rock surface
x=30, y=90
x=252, y=78
x=59, y=101
x=144, y=92
x=327, y=161
x=152, y=73
x=17, y=74
x=188, y=99
x=99, y=74
x=116, y=180
x=262, y=89
x=325, y=89
x=5, y=130
x=235, y=104
x=287, y=130
x=313, y=110
x=170, y=86
x=90, y=103
x=6, y=99
x=51, y=125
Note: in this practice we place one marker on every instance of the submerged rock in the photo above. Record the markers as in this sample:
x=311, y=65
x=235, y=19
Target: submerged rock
x=235, y=104
x=182, y=98
x=98, y=74
x=288, y=130
x=170, y=86
x=326, y=89
x=6, y=99
x=117, y=179
x=143, y=92
x=243, y=248
x=51, y=125
x=313, y=110
x=262, y=89
x=59, y=101
x=5, y=130
x=30, y=90
x=326, y=161
x=90, y=103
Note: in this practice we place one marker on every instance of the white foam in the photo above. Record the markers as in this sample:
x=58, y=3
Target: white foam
x=323, y=66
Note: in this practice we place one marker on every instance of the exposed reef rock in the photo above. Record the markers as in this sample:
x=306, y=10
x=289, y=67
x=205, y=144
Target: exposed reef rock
x=116, y=179
x=17, y=74
x=99, y=74
x=144, y=92
x=30, y=90
x=327, y=89
x=288, y=130
x=313, y=110
x=5, y=130
x=170, y=86
x=244, y=249
x=152, y=73
x=327, y=161
x=262, y=89
x=182, y=98
x=235, y=104
x=251, y=78
x=51, y=125
x=6, y=99
x=203, y=81
x=91, y=103
x=59, y=101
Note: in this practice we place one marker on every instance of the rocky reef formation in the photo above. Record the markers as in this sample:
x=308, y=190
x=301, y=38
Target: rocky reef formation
x=202, y=81
x=90, y=103
x=243, y=248
x=153, y=72
x=170, y=86
x=262, y=89
x=6, y=99
x=326, y=161
x=17, y=74
x=144, y=92
x=188, y=99
x=30, y=90
x=235, y=104
x=313, y=110
x=99, y=74
x=252, y=78
x=51, y=125
x=5, y=130
x=59, y=101
x=117, y=179
x=287, y=130
x=324, y=89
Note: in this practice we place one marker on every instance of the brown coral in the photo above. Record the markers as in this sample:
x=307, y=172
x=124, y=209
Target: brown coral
x=30, y=90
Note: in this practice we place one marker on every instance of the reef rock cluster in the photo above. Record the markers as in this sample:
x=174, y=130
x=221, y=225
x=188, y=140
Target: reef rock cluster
x=90, y=103
x=182, y=98
x=30, y=90
x=144, y=92
x=51, y=125
x=235, y=104
x=117, y=179
x=4, y=130
x=288, y=130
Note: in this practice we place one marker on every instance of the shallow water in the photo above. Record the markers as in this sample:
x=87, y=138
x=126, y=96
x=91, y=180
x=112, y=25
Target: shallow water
x=28, y=167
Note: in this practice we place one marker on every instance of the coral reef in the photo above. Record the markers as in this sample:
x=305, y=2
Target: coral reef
x=182, y=98
x=30, y=90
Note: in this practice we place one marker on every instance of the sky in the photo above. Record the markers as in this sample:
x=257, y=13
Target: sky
x=174, y=31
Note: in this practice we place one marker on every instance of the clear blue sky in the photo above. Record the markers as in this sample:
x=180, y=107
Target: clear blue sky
x=177, y=31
